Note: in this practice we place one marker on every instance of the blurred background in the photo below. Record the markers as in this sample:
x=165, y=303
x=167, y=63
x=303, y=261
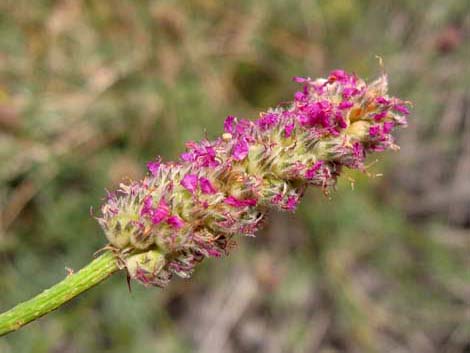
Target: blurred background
x=91, y=90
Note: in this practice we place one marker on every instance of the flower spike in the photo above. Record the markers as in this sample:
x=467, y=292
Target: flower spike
x=185, y=211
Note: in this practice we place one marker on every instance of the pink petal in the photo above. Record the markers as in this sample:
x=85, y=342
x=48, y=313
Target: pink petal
x=206, y=186
x=189, y=182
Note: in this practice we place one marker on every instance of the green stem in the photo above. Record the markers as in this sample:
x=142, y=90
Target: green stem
x=52, y=298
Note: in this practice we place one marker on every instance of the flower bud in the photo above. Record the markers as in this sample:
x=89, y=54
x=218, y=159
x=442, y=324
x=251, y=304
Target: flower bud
x=145, y=267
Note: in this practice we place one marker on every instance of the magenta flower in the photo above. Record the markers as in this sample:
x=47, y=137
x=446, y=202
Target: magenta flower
x=175, y=222
x=382, y=100
x=267, y=121
x=185, y=211
x=380, y=116
x=147, y=206
x=345, y=105
x=233, y=201
x=311, y=172
x=374, y=130
x=288, y=129
x=240, y=150
x=401, y=109
x=229, y=124
x=154, y=166
x=387, y=127
x=190, y=182
x=206, y=186
x=160, y=213
x=340, y=75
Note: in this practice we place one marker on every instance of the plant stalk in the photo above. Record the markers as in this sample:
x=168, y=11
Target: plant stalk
x=74, y=284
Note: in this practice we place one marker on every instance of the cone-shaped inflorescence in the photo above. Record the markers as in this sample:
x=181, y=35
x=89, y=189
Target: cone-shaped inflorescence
x=185, y=211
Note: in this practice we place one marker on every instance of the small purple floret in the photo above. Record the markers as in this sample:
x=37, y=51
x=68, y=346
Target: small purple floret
x=380, y=116
x=240, y=150
x=206, y=186
x=345, y=105
x=160, y=213
x=401, y=109
x=189, y=182
x=233, y=201
x=311, y=172
x=153, y=167
x=268, y=121
x=175, y=221
x=229, y=124
x=388, y=127
x=288, y=129
x=374, y=130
